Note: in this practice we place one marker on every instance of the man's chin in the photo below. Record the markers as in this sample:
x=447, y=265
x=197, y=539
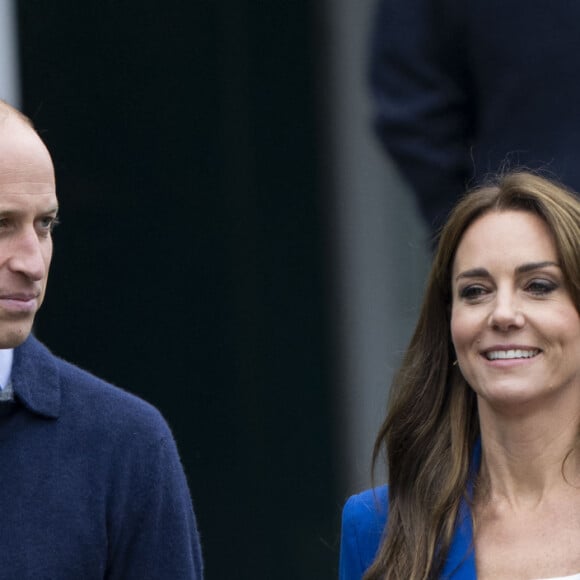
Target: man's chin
x=14, y=336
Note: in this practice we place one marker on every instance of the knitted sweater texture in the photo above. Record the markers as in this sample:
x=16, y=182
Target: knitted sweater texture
x=91, y=485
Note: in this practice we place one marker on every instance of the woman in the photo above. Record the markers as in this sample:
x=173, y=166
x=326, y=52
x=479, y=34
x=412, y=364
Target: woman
x=482, y=432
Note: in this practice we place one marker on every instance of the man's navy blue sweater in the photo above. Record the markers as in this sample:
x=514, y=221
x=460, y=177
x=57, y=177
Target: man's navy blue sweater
x=91, y=485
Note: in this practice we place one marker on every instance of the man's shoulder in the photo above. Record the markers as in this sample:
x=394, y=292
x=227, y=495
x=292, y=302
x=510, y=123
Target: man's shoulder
x=82, y=396
x=81, y=391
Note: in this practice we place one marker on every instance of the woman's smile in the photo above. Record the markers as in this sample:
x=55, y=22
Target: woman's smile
x=514, y=326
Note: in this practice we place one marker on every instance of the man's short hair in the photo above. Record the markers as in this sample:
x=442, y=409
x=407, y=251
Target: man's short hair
x=6, y=109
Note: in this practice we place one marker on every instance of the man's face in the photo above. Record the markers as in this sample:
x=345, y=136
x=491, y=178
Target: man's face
x=28, y=208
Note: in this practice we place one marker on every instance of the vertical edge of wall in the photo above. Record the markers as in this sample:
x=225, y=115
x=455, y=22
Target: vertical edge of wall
x=380, y=249
x=9, y=77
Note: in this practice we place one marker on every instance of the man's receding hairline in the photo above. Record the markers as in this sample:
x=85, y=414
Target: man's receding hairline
x=7, y=110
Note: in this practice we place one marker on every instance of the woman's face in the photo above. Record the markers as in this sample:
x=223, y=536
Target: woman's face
x=514, y=325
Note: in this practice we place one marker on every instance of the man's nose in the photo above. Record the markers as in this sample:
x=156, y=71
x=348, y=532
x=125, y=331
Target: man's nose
x=27, y=255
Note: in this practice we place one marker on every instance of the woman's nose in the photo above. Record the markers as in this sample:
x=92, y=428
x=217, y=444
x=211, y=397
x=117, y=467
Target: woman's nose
x=506, y=312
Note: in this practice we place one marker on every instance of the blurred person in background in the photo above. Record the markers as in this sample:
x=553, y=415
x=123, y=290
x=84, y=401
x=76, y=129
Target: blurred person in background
x=482, y=432
x=91, y=484
x=462, y=89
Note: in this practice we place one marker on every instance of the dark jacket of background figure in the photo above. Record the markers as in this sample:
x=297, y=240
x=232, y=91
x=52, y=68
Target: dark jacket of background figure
x=462, y=88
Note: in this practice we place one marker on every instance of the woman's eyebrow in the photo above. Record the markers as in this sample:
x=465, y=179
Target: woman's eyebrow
x=535, y=266
x=528, y=267
x=474, y=273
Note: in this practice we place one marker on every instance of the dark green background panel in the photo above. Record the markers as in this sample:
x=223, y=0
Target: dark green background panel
x=190, y=267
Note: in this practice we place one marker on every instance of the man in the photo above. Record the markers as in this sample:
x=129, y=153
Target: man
x=91, y=485
x=463, y=89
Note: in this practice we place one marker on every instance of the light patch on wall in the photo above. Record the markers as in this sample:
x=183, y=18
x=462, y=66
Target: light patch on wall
x=9, y=73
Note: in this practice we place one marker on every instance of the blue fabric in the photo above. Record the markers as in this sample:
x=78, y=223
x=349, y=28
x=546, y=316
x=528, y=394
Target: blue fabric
x=364, y=518
x=91, y=485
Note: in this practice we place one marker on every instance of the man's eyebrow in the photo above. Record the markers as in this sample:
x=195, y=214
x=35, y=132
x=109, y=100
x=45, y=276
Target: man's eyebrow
x=529, y=267
x=52, y=209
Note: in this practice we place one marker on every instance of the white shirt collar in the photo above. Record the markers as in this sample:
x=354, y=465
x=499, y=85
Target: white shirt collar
x=6, y=356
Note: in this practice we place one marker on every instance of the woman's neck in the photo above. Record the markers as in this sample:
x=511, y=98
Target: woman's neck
x=527, y=456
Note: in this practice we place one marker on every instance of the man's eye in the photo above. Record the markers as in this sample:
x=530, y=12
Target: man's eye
x=6, y=224
x=48, y=223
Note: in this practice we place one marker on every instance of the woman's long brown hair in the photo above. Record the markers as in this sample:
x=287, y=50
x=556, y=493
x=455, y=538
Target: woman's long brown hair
x=432, y=424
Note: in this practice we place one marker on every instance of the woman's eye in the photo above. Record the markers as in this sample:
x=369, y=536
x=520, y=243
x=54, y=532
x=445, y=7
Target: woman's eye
x=472, y=292
x=541, y=287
